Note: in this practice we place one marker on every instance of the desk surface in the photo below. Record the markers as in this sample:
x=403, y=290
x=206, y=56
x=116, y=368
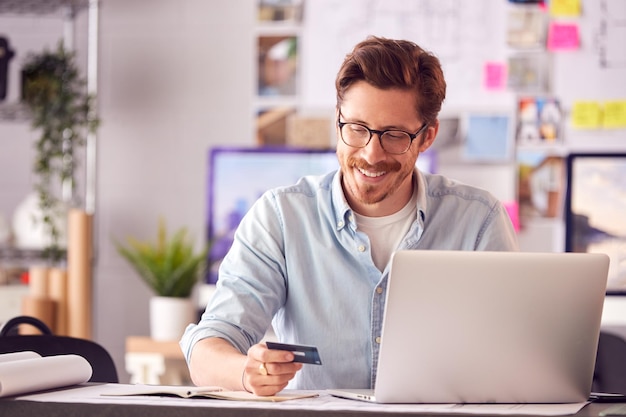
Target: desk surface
x=20, y=408
x=104, y=400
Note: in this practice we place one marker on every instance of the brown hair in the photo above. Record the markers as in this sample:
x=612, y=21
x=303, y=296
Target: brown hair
x=388, y=63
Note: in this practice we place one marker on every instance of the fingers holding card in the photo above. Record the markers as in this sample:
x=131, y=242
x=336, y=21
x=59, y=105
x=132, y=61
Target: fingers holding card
x=301, y=353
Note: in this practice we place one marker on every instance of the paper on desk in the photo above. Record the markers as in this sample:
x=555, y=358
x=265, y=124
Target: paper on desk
x=323, y=401
x=22, y=375
x=201, y=392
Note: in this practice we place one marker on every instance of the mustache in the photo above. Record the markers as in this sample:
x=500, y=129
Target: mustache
x=385, y=166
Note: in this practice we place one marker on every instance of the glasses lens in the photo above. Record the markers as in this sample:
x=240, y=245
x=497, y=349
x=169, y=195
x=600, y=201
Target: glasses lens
x=396, y=141
x=355, y=135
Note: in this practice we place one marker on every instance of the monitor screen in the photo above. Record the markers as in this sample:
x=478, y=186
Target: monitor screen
x=595, y=210
x=238, y=176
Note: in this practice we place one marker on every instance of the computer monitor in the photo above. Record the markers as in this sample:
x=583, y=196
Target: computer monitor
x=238, y=176
x=595, y=210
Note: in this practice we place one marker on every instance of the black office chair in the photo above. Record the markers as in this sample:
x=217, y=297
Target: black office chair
x=48, y=344
x=610, y=370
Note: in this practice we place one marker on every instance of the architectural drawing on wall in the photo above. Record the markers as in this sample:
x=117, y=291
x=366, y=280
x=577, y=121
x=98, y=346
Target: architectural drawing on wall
x=611, y=33
x=464, y=35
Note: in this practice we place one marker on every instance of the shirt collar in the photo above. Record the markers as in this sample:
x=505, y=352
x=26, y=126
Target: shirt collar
x=343, y=212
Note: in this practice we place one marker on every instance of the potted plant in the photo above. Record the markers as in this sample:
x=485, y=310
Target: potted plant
x=63, y=111
x=171, y=267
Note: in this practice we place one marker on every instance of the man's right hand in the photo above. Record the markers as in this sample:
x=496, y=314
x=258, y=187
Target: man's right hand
x=215, y=362
x=268, y=371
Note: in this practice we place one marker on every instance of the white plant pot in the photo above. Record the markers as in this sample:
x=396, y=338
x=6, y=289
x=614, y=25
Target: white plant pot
x=169, y=316
x=28, y=226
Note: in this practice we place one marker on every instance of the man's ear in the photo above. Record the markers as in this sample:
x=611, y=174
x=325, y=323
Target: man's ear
x=429, y=136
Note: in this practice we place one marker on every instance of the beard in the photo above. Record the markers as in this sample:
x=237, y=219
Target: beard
x=375, y=193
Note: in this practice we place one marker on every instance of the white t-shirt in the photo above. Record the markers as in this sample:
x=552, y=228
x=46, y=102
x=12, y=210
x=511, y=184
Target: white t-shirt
x=386, y=232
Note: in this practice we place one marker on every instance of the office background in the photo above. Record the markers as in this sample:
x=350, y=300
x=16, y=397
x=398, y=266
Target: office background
x=178, y=77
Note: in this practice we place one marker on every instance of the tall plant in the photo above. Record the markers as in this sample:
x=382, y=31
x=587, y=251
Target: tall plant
x=64, y=113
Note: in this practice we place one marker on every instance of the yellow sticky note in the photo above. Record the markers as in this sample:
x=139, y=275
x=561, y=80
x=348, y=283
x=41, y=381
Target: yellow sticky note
x=586, y=115
x=615, y=114
x=565, y=8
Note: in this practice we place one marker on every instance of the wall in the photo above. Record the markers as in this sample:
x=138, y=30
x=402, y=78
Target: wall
x=174, y=79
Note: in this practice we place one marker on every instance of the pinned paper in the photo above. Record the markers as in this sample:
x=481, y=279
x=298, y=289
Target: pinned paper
x=586, y=115
x=495, y=76
x=615, y=114
x=512, y=208
x=488, y=137
x=565, y=7
x=563, y=37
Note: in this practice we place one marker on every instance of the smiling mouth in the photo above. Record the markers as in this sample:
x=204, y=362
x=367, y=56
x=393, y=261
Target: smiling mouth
x=371, y=174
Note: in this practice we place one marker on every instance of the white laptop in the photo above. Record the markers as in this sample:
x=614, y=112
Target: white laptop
x=489, y=327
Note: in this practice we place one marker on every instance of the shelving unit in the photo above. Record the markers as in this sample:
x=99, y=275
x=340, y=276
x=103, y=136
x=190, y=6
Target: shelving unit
x=15, y=112
x=277, y=40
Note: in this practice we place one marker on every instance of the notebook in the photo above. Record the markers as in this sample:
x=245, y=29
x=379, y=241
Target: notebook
x=489, y=327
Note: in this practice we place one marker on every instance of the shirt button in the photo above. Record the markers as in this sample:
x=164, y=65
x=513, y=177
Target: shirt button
x=340, y=224
x=379, y=290
x=378, y=339
x=350, y=217
x=361, y=248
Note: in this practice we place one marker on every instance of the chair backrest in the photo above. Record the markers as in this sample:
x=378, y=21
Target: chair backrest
x=610, y=370
x=48, y=344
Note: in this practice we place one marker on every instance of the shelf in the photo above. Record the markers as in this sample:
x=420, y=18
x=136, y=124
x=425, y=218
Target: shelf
x=40, y=7
x=11, y=257
x=278, y=29
x=14, y=112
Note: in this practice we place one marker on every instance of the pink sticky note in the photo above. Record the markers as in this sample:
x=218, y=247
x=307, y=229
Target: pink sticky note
x=563, y=36
x=495, y=76
x=512, y=209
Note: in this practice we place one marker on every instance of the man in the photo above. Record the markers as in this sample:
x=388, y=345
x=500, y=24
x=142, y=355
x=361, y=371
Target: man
x=312, y=259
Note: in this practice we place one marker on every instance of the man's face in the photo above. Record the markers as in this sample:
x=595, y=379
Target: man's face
x=375, y=182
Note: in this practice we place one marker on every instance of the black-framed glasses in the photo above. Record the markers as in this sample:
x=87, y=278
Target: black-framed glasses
x=393, y=141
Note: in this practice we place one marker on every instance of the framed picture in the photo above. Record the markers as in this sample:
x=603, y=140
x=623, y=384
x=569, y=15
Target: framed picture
x=541, y=184
x=539, y=121
x=280, y=10
x=528, y=73
x=278, y=65
x=595, y=207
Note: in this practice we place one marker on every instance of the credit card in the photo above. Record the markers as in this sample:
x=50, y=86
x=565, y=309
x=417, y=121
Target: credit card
x=301, y=353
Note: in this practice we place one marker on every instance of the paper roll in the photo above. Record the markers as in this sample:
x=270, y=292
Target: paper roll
x=41, y=308
x=37, y=374
x=79, y=274
x=57, y=289
x=38, y=281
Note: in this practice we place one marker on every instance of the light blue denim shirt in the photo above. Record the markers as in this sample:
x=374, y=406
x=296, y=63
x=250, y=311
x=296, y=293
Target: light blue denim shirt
x=299, y=263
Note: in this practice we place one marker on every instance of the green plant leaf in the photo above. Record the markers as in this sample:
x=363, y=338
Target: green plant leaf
x=169, y=266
